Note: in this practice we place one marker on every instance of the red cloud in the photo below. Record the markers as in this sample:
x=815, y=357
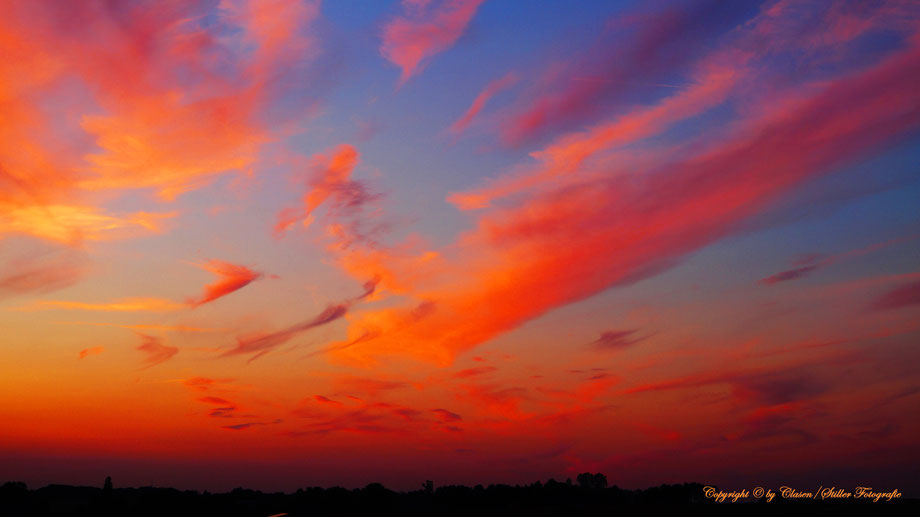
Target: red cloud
x=447, y=416
x=231, y=277
x=599, y=230
x=326, y=400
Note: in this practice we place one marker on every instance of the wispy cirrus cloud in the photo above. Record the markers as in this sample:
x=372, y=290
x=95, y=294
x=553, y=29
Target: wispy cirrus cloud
x=40, y=269
x=480, y=101
x=155, y=350
x=803, y=267
x=142, y=326
x=566, y=155
x=423, y=31
x=630, y=57
x=122, y=305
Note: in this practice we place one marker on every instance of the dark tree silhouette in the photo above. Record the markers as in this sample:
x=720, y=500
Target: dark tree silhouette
x=592, y=481
x=107, y=487
x=600, y=480
x=587, y=497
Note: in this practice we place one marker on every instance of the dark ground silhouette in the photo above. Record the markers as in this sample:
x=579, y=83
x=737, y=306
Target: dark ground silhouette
x=588, y=495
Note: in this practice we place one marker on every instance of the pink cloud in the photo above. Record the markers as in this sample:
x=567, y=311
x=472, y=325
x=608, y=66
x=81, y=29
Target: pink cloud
x=904, y=296
x=329, y=183
x=409, y=41
x=480, y=101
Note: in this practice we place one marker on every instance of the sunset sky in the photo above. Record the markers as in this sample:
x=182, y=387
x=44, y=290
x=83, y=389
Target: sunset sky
x=281, y=243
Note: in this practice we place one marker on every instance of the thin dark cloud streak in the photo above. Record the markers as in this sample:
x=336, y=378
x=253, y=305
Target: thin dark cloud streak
x=899, y=298
x=261, y=344
x=810, y=263
x=41, y=269
x=793, y=274
x=617, y=339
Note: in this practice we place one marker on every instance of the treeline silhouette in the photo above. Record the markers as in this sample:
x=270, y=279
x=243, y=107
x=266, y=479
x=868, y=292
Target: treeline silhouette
x=589, y=494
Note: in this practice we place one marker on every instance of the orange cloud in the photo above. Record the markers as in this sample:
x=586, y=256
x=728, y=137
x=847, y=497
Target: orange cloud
x=123, y=305
x=205, y=383
x=409, y=41
x=181, y=122
x=167, y=144
x=183, y=118
x=176, y=328
x=73, y=224
x=96, y=350
x=231, y=277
